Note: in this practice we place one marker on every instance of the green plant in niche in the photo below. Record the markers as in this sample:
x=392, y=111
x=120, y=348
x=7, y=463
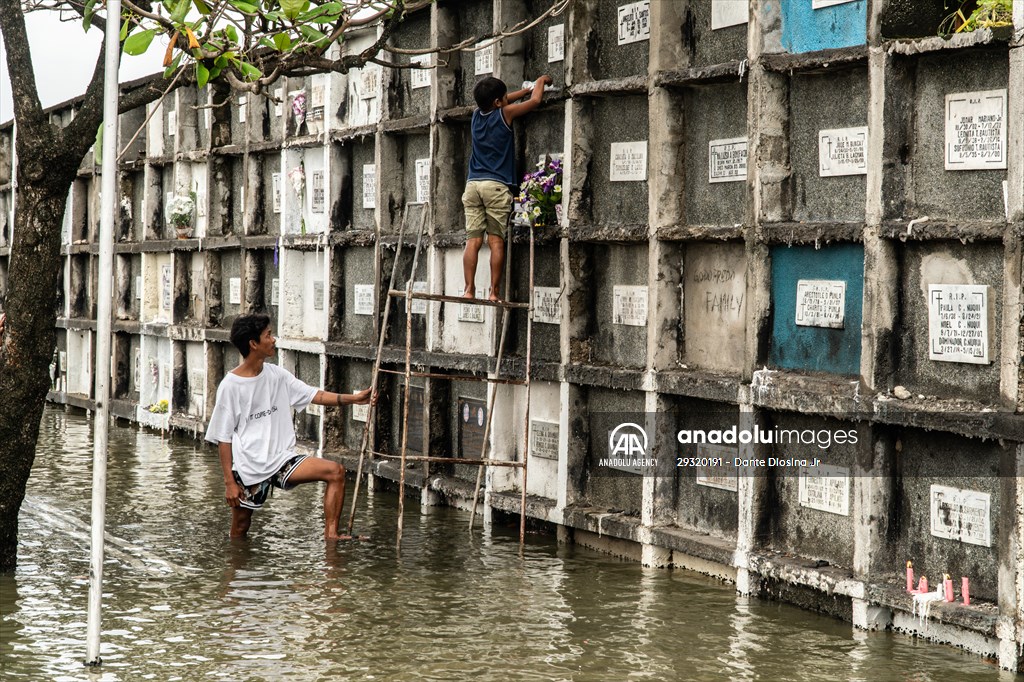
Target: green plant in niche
x=987, y=14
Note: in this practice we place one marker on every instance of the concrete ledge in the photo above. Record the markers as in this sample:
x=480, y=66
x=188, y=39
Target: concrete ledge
x=76, y=323
x=302, y=345
x=966, y=418
x=188, y=424
x=695, y=544
x=123, y=409
x=701, y=232
x=698, y=75
x=608, y=233
x=347, y=134
x=699, y=384
x=979, y=230
x=830, y=580
x=979, y=617
x=355, y=238
x=612, y=86
x=409, y=125
x=459, y=114
x=602, y=522
x=537, y=507
x=811, y=394
x=625, y=549
x=605, y=377
x=127, y=326
x=806, y=597
x=809, y=233
x=810, y=61
x=957, y=41
x=184, y=332
x=542, y=236
x=946, y=634
x=350, y=350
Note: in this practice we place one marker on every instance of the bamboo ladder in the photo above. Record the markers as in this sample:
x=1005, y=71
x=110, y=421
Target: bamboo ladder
x=493, y=380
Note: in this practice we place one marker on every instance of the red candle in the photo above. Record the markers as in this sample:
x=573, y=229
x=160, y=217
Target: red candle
x=922, y=585
x=947, y=586
x=910, y=576
x=965, y=591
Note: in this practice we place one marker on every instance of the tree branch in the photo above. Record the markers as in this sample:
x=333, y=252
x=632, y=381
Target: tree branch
x=81, y=132
x=27, y=109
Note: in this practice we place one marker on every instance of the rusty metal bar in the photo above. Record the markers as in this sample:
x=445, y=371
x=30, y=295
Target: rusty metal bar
x=451, y=460
x=423, y=296
x=456, y=377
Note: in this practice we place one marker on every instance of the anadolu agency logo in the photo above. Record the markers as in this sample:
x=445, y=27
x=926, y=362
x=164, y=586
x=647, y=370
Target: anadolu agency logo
x=627, y=447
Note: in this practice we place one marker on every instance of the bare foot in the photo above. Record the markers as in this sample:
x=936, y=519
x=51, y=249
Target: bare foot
x=495, y=298
x=470, y=292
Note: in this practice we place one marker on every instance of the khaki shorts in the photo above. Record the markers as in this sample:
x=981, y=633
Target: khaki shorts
x=488, y=204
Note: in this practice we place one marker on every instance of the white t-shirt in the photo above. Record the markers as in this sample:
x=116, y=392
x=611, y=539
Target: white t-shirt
x=254, y=414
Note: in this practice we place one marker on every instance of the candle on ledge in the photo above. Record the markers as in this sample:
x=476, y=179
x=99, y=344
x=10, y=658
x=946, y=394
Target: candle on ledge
x=910, y=576
x=922, y=585
x=965, y=591
x=947, y=585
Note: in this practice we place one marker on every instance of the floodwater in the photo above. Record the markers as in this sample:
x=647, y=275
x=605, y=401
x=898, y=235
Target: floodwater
x=182, y=602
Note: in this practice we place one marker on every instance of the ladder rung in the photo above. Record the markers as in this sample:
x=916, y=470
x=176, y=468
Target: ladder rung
x=451, y=460
x=457, y=299
x=455, y=377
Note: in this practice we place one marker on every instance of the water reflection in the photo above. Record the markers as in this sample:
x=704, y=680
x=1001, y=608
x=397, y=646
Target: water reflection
x=185, y=602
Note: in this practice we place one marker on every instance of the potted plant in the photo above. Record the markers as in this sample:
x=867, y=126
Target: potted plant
x=540, y=195
x=180, y=213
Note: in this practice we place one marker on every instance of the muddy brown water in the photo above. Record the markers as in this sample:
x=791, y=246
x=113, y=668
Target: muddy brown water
x=182, y=602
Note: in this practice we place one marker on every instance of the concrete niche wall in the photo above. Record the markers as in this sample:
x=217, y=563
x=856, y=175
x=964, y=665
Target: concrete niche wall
x=704, y=500
x=541, y=133
x=269, y=261
x=811, y=345
x=621, y=276
x=420, y=309
x=190, y=288
x=618, y=200
x=79, y=362
x=807, y=29
x=357, y=294
x=447, y=180
x=194, y=399
x=948, y=262
x=304, y=294
x=547, y=291
x=714, y=306
x=468, y=419
x=157, y=288
x=803, y=521
x=710, y=42
x=470, y=18
x=926, y=459
x=231, y=289
x=364, y=184
x=267, y=183
x=604, y=487
x=465, y=328
x=364, y=87
x=343, y=428
x=407, y=94
x=306, y=367
x=509, y=430
x=415, y=149
x=618, y=47
x=818, y=104
x=545, y=46
x=716, y=114
x=936, y=192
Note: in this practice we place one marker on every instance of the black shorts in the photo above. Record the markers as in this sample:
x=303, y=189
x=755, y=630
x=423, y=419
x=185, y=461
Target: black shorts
x=253, y=496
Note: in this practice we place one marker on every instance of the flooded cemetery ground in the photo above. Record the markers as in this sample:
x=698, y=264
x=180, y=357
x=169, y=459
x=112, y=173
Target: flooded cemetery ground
x=182, y=602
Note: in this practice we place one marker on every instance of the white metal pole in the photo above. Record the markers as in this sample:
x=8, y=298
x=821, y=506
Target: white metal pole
x=108, y=188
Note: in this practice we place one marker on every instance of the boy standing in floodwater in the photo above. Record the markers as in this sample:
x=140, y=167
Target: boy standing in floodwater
x=492, y=174
x=252, y=427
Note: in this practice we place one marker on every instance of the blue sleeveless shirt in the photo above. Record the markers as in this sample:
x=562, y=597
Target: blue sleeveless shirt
x=493, y=155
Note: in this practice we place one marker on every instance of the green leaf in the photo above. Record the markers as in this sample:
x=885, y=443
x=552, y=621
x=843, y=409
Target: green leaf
x=203, y=8
x=138, y=43
x=283, y=42
x=313, y=36
x=125, y=25
x=249, y=71
x=87, y=15
x=97, y=150
x=292, y=8
x=326, y=13
x=202, y=75
x=231, y=33
x=181, y=11
x=244, y=6
x=169, y=71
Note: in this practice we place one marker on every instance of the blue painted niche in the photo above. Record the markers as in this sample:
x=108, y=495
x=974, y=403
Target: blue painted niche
x=816, y=349
x=805, y=29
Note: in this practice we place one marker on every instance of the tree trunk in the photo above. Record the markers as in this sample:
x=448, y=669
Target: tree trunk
x=44, y=179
